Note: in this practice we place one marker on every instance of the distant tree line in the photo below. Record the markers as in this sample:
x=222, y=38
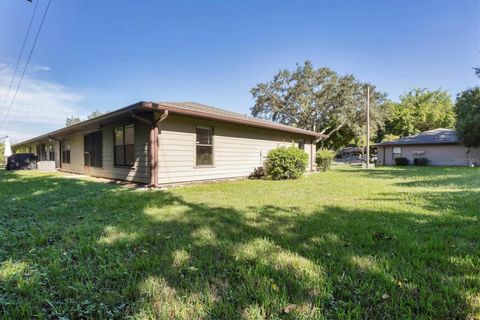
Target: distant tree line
x=74, y=120
x=324, y=101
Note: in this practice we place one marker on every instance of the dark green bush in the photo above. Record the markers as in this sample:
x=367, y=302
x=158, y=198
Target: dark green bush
x=401, y=161
x=286, y=163
x=324, y=159
x=420, y=161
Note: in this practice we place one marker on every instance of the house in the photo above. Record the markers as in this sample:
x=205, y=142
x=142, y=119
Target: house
x=441, y=147
x=164, y=142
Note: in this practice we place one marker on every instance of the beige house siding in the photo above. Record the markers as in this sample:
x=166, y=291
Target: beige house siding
x=237, y=149
x=139, y=172
x=438, y=155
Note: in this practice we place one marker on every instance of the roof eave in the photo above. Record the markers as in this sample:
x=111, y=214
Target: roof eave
x=137, y=105
x=206, y=115
x=415, y=144
x=144, y=105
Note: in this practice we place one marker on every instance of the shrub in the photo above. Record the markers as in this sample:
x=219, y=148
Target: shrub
x=258, y=173
x=401, y=161
x=420, y=161
x=324, y=159
x=286, y=163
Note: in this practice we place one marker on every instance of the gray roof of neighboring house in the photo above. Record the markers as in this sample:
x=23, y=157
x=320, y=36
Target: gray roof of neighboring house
x=436, y=136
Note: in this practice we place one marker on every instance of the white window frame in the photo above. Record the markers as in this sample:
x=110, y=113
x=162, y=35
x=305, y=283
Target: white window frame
x=397, y=154
x=212, y=129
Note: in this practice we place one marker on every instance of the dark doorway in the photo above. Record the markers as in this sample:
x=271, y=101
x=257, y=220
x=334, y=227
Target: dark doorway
x=41, y=152
x=92, y=146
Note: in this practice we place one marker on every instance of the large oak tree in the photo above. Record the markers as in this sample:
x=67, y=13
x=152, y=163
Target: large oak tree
x=319, y=100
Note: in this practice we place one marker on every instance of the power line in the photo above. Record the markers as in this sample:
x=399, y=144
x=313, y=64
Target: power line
x=26, y=65
x=19, y=58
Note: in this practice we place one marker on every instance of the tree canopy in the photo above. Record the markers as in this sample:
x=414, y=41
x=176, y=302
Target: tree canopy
x=95, y=114
x=420, y=110
x=70, y=121
x=467, y=108
x=318, y=100
x=74, y=120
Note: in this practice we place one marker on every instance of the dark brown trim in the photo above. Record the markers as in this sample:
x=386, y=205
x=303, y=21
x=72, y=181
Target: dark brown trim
x=151, y=106
x=246, y=122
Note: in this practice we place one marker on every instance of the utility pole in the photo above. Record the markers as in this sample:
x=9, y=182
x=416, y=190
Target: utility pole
x=368, y=127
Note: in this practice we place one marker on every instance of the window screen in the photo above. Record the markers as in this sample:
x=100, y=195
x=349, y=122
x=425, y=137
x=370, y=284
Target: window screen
x=124, y=137
x=397, y=152
x=301, y=144
x=93, y=149
x=204, y=146
x=66, y=151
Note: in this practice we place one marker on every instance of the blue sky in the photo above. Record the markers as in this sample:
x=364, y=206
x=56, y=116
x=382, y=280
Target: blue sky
x=107, y=54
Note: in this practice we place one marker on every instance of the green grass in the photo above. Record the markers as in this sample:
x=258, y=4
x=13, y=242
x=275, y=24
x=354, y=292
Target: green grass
x=388, y=243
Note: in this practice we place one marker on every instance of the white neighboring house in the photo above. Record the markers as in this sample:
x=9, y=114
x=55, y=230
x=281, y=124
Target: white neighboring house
x=7, y=152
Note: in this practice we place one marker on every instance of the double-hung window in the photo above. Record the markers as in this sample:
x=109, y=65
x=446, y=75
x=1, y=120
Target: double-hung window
x=51, y=152
x=397, y=152
x=124, y=137
x=301, y=144
x=204, y=146
x=66, y=151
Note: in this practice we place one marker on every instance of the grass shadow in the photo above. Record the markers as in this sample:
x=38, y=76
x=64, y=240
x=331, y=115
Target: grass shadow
x=82, y=249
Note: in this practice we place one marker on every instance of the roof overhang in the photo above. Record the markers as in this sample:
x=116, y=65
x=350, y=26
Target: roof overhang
x=224, y=118
x=414, y=144
x=110, y=116
x=152, y=106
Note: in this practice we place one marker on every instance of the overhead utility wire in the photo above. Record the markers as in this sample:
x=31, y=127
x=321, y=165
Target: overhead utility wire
x=26, y=65
x=19, y=58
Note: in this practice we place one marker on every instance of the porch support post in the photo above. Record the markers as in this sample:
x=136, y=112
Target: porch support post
x=153, y=144
x=153, y=164
x=155, y=155
x=59, y=150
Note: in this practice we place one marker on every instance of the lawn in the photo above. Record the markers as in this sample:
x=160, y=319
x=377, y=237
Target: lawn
x=388, y=243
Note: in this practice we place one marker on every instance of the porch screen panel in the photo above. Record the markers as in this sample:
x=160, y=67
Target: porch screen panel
x=93, y=149
x=96, y=159
x=86, y=150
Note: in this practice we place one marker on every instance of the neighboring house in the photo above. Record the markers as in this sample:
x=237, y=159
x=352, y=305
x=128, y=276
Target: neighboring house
x=161, y=143
x=441, y=147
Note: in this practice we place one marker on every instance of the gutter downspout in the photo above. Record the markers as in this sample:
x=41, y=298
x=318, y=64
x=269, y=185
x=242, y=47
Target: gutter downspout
x=59, y=148
x=153, y=144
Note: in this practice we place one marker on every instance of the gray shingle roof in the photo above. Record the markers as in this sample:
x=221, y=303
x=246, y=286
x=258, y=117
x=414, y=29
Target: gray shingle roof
x=208, y=110
x=436, y=136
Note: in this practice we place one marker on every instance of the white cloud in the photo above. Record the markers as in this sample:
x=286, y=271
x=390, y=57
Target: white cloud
x=42, y=68
x=41, y=105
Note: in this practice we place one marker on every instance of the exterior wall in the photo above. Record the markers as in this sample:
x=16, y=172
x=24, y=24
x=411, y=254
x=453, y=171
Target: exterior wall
x=139, y=172
x=438, y=155
x=237, y=149
x=33, y=148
